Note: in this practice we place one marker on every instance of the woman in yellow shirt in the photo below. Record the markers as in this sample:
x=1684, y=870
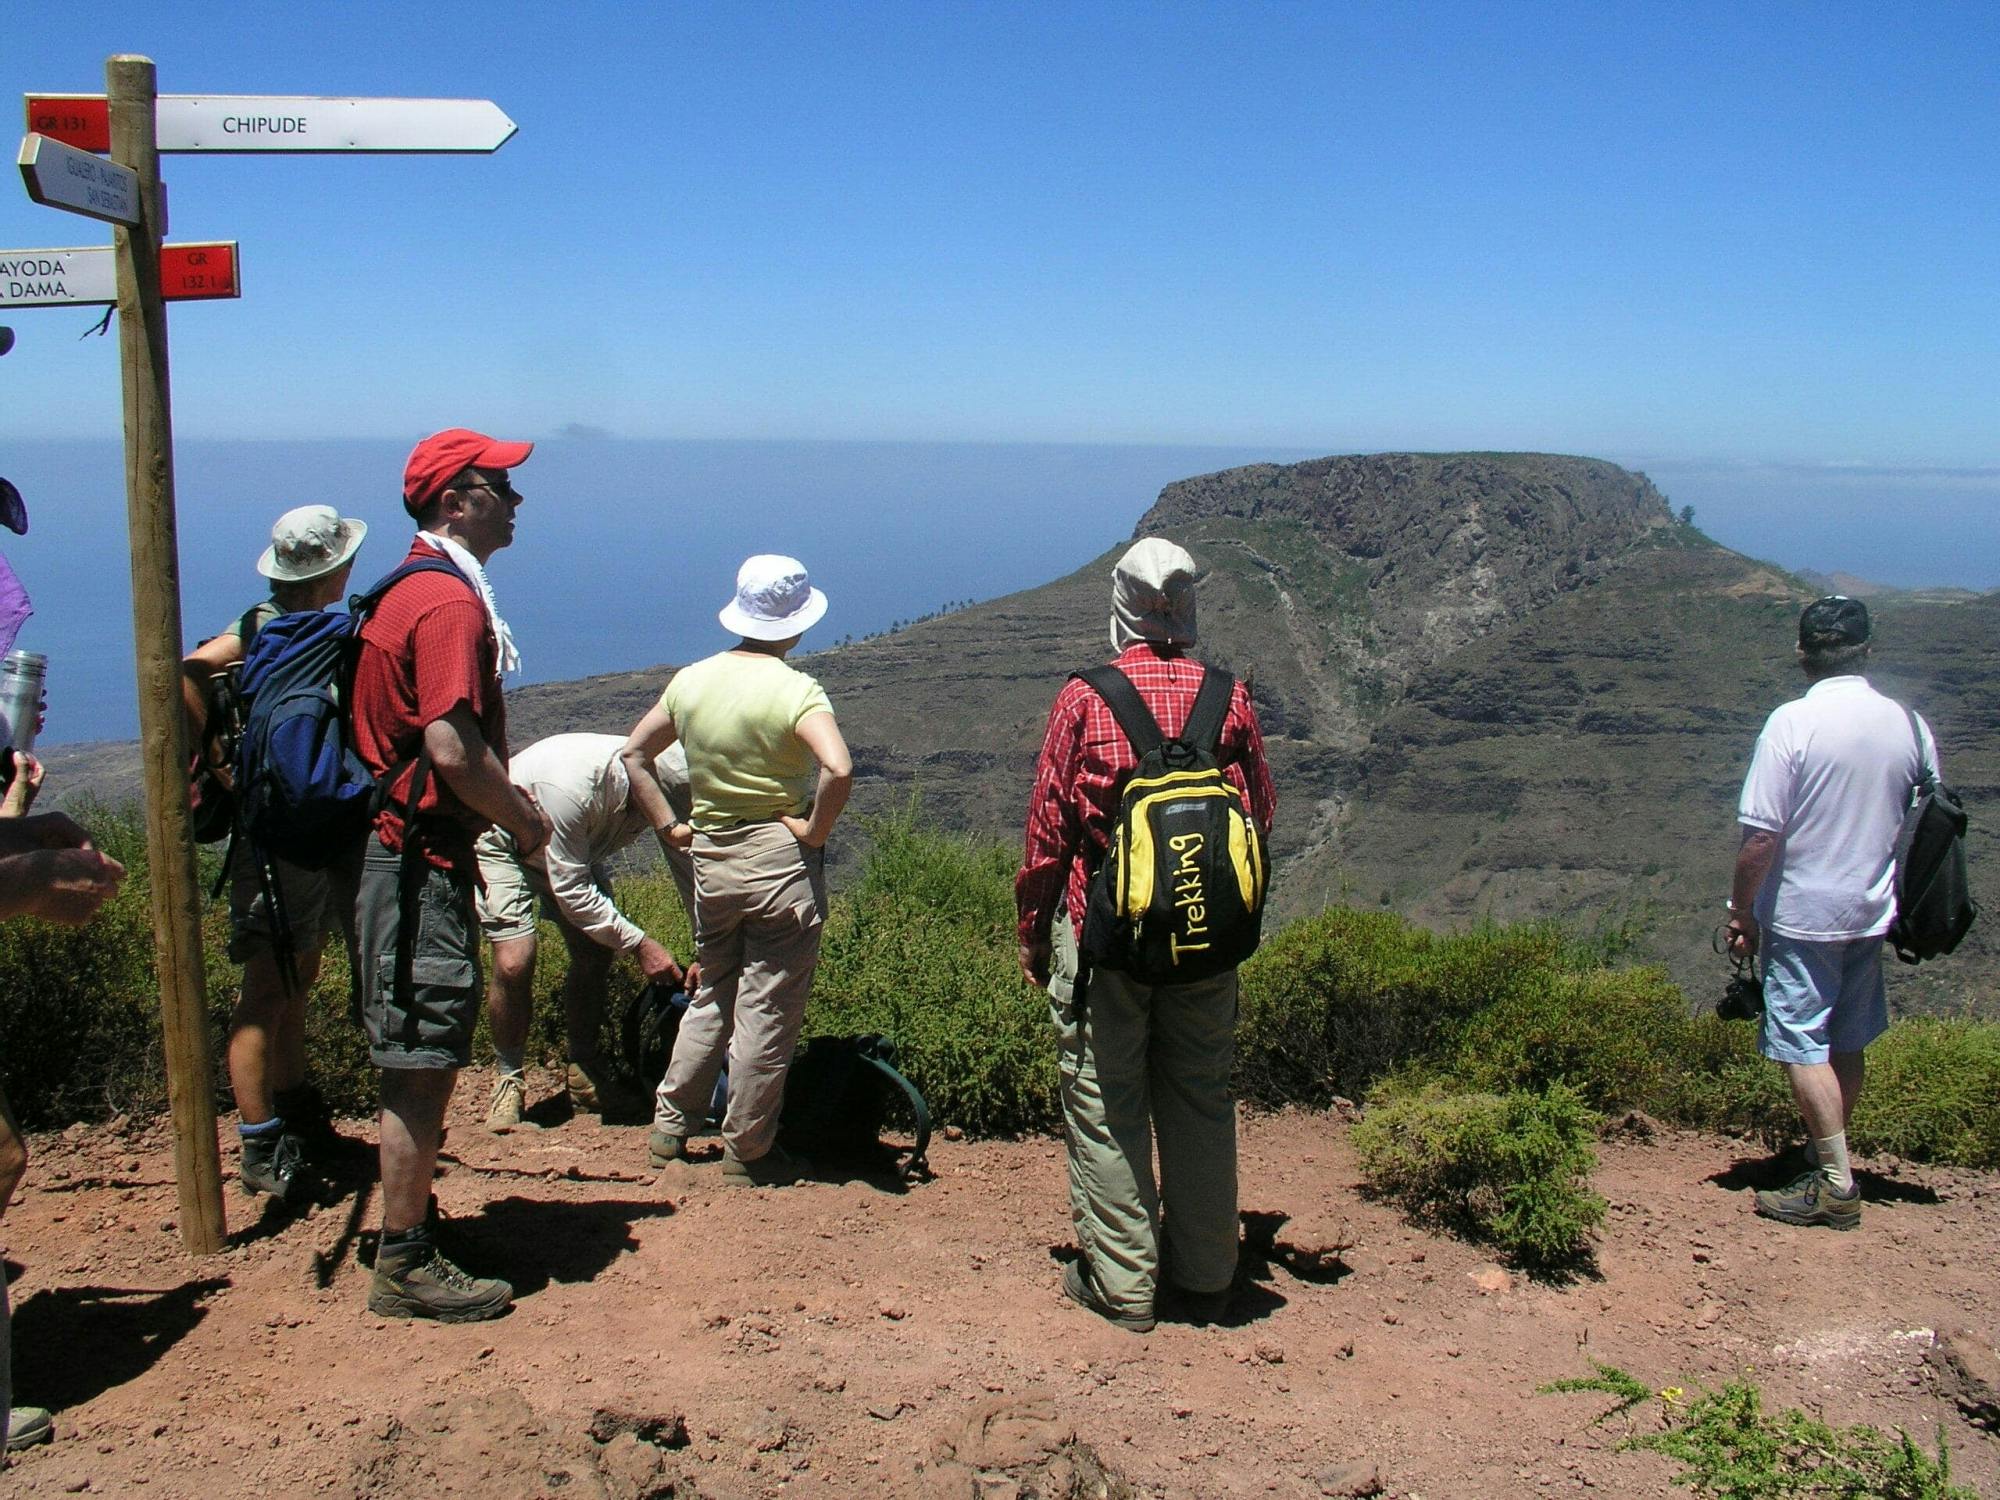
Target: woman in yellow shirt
x=754, y=729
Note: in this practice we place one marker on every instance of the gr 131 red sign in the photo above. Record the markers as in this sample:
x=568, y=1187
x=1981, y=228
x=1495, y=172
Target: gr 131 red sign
x=82, y=121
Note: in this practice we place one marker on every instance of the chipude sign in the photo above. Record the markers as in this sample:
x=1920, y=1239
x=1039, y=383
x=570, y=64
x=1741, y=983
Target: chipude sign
x=281, y=122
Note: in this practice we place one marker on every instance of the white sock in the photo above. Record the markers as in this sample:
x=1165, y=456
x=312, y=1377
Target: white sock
x=511, y=1062
x=1833, y=1161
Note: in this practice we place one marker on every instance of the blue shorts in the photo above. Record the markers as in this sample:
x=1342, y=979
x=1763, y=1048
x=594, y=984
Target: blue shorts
x=1821, y=998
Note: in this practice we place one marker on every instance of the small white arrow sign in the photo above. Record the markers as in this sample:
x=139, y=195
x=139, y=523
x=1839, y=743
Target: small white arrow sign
x=279, y=122
x=60, y=176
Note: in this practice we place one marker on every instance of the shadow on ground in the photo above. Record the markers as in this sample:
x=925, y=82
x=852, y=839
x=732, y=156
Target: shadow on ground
x=533, y=1243
x=74, y=1343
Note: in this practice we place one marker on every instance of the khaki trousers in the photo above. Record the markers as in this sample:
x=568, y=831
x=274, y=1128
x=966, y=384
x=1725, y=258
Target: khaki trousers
x=1147, y=1062
x=759, y=905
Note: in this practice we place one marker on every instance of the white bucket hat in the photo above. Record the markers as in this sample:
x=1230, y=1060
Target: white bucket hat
x=774, y=599
x=310, y=542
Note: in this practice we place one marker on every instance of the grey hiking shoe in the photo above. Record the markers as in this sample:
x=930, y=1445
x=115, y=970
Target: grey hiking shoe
x=27, y=1426
x=414, y=1280
x=1080, y=1289
x=775, y=1168
x=510, y=1098
x=277, y=1166
x=1811, y=1199
x=664, y=1147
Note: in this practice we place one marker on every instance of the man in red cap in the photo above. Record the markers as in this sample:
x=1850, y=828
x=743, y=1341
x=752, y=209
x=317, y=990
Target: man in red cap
x=430, y=723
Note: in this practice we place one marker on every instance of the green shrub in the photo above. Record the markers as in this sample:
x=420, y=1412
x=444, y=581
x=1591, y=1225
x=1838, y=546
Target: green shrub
x=1335, y=1001
x=1510, y=1168
x=1612, y=1035
x=1731, y=1449
x=1933, y=1093
x=922, y=949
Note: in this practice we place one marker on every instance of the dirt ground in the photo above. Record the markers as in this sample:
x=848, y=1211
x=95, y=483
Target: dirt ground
x=673, y=1337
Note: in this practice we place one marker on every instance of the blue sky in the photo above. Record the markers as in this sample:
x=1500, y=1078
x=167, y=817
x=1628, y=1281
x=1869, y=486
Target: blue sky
x=1738, y=234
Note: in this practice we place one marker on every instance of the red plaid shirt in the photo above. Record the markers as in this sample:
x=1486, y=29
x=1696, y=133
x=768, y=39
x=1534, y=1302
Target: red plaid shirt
x=1085, y=757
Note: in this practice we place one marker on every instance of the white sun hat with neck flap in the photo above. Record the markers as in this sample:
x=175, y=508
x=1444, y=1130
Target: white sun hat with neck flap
x=309, y=543
x=774, y=601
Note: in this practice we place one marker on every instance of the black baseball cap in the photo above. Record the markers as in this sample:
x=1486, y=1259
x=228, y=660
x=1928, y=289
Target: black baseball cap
x=1835, y=620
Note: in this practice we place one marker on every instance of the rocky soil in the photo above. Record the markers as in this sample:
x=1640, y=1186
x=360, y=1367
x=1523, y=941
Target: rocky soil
x=844, y=1338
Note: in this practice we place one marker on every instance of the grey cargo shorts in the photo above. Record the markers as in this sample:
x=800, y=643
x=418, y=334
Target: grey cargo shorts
x=430, y=1026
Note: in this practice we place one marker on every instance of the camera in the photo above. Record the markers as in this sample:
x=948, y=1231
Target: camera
x=1743, y=997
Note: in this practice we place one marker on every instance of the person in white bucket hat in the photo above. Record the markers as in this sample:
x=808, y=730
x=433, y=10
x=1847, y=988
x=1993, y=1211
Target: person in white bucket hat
x=281, y=1117
x=769, y=774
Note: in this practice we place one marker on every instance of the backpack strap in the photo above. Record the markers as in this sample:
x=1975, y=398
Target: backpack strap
x=365, y=603
x=1203, y=729
x=1926, y=769
x=918, y=1162
x=1127, y=707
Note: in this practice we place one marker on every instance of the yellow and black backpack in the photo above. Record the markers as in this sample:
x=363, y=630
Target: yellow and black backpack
x=1179, y=896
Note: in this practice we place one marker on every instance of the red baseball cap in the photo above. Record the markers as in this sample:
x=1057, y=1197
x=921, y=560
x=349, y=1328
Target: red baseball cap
x=442, y=456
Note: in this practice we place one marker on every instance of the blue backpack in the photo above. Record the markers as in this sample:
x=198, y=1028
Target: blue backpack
x=302, y=793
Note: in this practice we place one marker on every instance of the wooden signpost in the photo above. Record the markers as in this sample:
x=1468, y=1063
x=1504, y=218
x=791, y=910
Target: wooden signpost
x=135, y=123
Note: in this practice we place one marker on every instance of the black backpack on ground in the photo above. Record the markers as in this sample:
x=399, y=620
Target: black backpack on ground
x=839, y=1091
x=1934, y=905
x=1179, y=896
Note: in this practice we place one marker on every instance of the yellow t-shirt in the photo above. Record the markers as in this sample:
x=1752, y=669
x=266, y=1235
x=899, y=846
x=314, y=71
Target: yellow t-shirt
x=739, y=718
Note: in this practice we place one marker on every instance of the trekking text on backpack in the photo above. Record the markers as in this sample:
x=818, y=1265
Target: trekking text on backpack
x=1180, y=894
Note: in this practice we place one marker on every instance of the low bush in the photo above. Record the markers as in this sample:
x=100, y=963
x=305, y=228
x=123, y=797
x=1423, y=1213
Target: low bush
x=1512, y=1169
x=1730, y=1448
x=1333, y=1002
x=1933, y=1093
x=922, y=949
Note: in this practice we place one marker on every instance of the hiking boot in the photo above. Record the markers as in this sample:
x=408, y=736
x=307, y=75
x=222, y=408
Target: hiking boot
x=1199, y=1308
x=663, y=1147
x=1080, y=1289
x=305, y=1113
x=594, y=1088
x=277, y=1165
x=775, y=1168
x=510, y=1098
x=1812, y=1200
x=414, y=1280
x=27, y=1426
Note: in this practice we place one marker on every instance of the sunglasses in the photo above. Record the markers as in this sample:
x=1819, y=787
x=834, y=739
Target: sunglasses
x=498, y=487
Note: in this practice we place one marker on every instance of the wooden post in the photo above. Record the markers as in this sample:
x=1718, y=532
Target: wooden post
x=132, y=86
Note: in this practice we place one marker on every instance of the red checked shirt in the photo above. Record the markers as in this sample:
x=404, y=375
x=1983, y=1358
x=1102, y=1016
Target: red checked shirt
x=1085, y=757
x=426, y=650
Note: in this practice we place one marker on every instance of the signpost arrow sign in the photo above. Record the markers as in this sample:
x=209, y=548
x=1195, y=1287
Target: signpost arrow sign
x=61, y=176
x=290, y=123
x=86, y=276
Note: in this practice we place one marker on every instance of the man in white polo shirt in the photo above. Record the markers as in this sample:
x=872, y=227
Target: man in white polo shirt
x=1815, y=889
x=583, y=787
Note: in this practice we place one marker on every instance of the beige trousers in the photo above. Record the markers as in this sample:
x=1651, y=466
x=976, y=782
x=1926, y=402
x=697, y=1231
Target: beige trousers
x=1146, y=1063
x=759, y=904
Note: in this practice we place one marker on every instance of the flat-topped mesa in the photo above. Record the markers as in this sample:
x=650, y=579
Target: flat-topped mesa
x=1383, y=564
x=1372, y=505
